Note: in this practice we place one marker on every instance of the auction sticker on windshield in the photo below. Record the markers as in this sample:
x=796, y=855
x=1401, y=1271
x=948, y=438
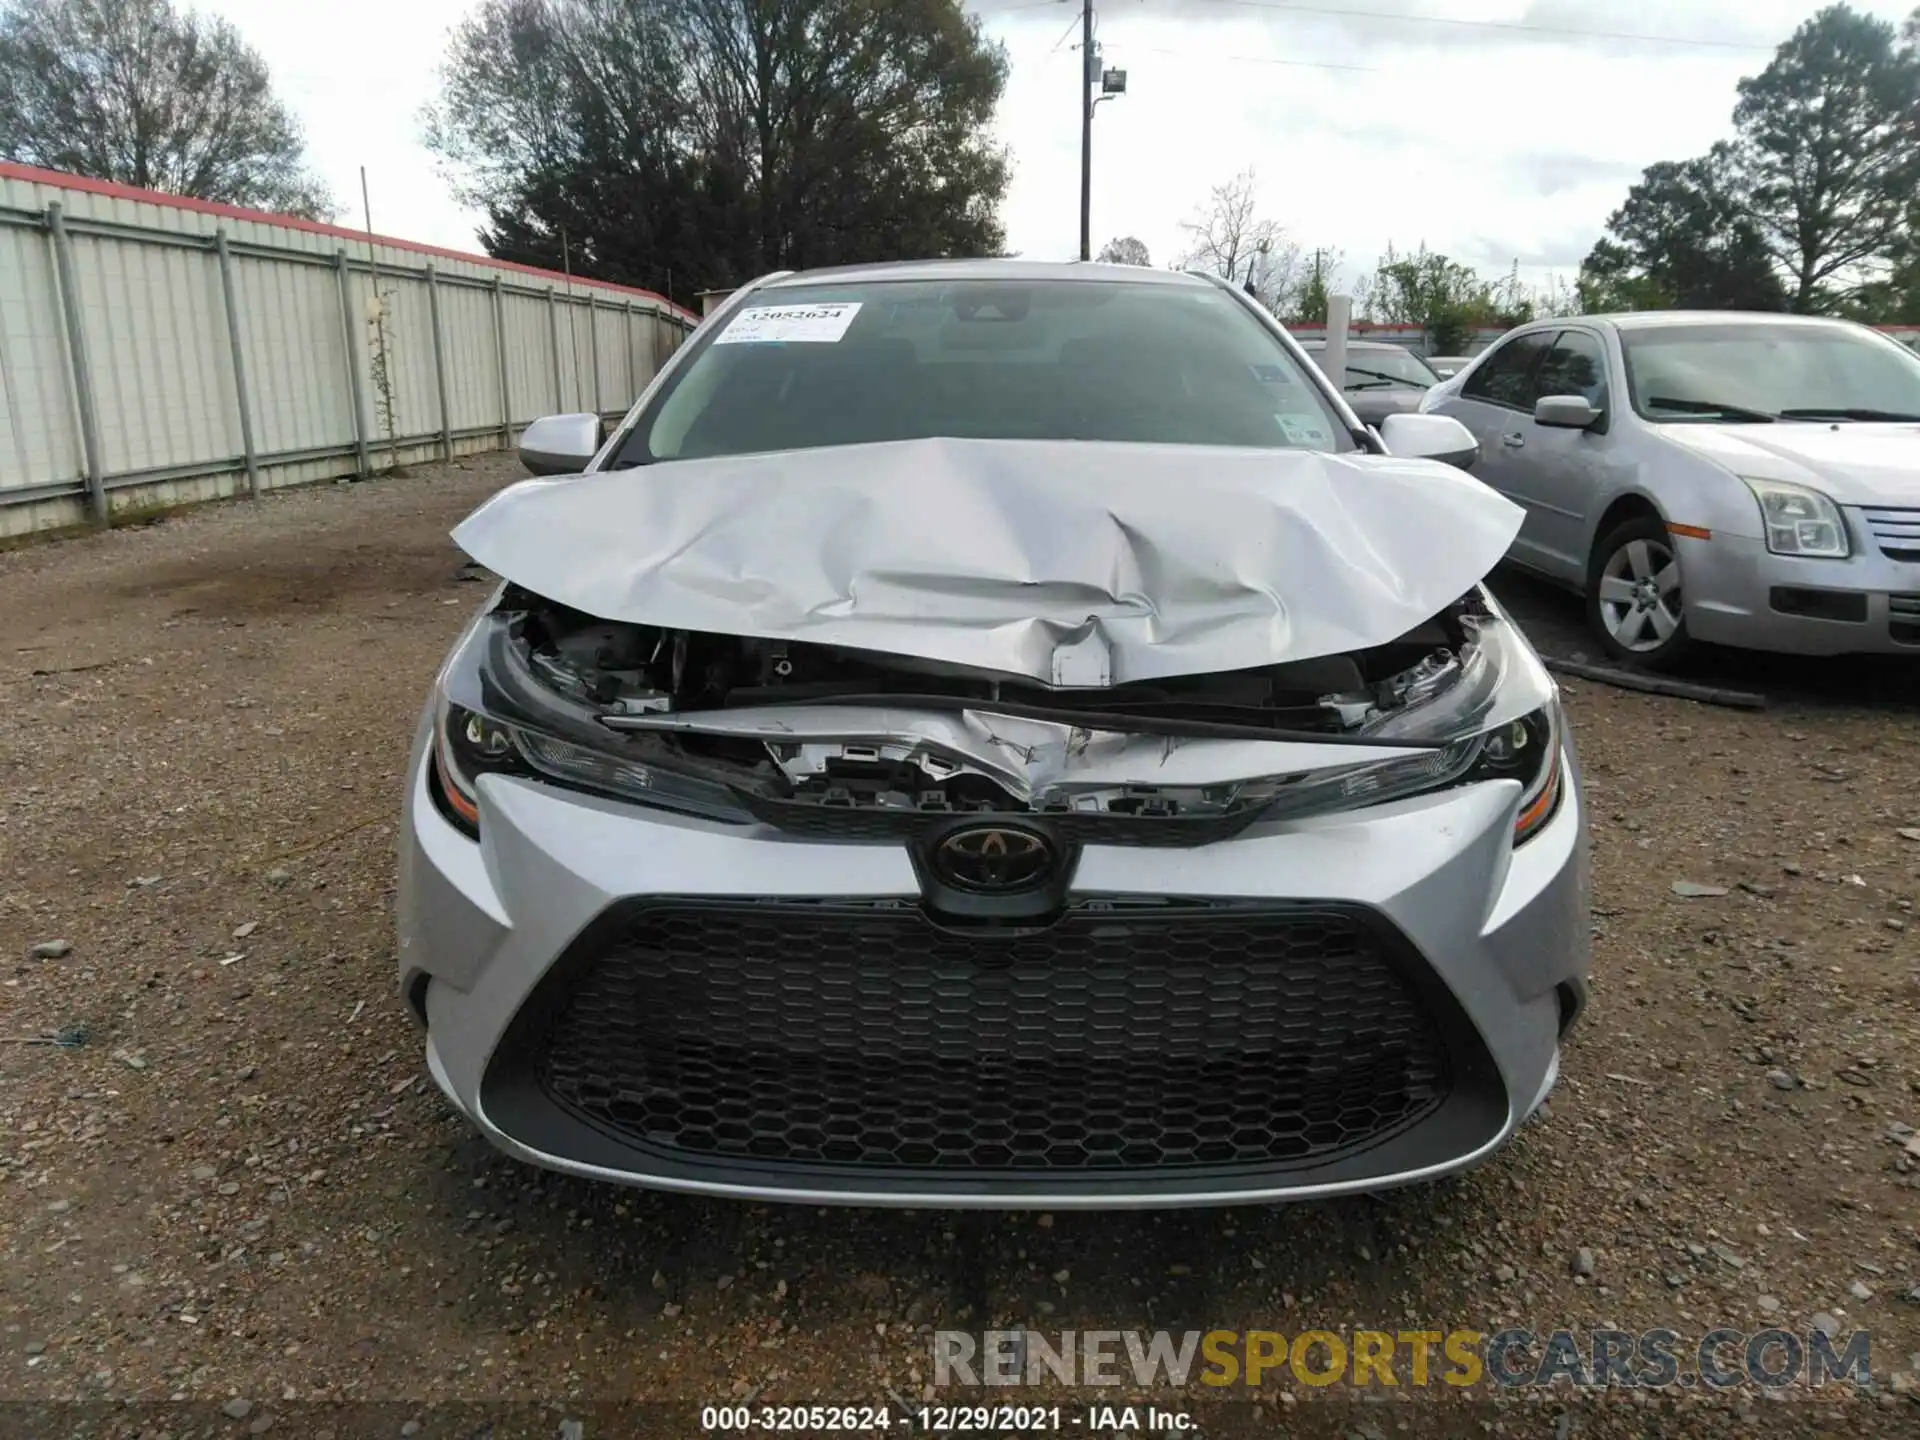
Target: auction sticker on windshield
x=804, y=324
x=1304, y=430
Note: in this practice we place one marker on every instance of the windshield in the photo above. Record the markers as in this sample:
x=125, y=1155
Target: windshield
x=1159, y=363
x=1680, y=373
x=1381, y=369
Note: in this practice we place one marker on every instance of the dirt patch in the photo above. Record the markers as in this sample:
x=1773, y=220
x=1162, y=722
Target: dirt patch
x=242, y=1185
x=290, y=576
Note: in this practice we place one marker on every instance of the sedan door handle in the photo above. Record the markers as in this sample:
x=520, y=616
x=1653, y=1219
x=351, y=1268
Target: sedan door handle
x=1514, y=441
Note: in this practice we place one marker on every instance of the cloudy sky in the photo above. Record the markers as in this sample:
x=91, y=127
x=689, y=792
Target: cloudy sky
x=1494, y=130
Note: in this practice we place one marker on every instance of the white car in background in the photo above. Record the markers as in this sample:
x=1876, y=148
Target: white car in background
x=1745, y=479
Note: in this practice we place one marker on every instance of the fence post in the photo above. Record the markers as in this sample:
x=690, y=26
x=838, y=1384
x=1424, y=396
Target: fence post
x=500, y=356
x=626, y=346
x=221, y=249
x=82, y=370
x=439, y=363
x=593, y=342
x=353, y=368
x=553, y=325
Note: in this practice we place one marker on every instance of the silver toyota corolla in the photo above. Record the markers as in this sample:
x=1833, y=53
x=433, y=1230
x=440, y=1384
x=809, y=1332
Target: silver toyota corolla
x=994, y=734
x=1752, y=480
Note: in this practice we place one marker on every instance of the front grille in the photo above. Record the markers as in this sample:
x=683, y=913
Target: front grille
x=1903, y=619
x=1896, y=532
x=1124, y=1036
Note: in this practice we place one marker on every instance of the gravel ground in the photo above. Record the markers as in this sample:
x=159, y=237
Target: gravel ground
x=240, y=1186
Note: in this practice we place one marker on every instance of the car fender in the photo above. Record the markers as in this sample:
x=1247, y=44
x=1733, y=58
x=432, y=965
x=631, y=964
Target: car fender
x=1694, y=497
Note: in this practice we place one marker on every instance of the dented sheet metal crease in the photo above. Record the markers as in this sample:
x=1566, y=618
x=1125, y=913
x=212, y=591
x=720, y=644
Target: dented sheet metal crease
x=1181, y=560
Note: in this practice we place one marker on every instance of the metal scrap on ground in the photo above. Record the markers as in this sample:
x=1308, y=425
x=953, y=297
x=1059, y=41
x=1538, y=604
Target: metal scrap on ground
x=1657, y=684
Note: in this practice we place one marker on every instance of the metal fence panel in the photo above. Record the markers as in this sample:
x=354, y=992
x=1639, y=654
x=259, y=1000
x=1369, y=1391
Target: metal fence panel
x=531, y=364
x=340, y=346
x=39, y=435
x=296, y=355
x=473, y=378
x=157, y=341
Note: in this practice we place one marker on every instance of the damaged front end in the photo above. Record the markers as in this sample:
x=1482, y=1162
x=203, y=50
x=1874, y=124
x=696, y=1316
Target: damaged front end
x=837, y=742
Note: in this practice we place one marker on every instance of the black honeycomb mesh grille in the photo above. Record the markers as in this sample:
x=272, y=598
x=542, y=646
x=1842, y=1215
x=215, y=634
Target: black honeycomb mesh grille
x=856, y=1034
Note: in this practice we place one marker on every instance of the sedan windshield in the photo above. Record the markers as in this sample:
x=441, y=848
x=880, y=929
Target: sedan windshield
x=1150, y=362
x=1749, y=373
x=1384, y=369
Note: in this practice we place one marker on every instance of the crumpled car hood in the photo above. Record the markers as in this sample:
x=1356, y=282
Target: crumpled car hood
x=1067, y=563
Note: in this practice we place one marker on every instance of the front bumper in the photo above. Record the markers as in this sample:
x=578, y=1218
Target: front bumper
x=1741, y=594
x=1502, y=934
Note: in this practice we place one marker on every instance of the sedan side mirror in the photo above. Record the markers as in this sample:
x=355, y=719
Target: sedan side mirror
x=560, y=444
x=1430, y=437
x=1565, y=412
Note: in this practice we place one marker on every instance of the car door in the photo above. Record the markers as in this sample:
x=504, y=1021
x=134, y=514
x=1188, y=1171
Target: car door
x=1492, y=402
x=1556, y=473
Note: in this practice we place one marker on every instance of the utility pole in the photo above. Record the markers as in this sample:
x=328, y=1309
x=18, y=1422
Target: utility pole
x=1086, y=129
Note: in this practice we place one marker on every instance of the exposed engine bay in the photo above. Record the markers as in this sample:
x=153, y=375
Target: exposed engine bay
x=812, y=736
x=640, y=670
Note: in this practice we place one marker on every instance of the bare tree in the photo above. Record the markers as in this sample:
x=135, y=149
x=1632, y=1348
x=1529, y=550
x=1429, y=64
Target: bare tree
x=1228, y=237
x=1124, y=250
x=137, y=92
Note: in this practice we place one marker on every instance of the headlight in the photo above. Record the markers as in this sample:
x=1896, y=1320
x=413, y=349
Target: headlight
x=1502, y=716
x=467, y=745
x=479, y=729
x=1800, y=521
x=1527, y=750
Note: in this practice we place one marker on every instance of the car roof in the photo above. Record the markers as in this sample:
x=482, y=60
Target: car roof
x=987, y=269
x=1657, y=319
x=1370, y=347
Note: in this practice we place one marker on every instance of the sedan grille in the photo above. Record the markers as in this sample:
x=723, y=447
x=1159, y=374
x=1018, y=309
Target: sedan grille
x=1903, y=619
x=1896, y=532
x=1123, y=1036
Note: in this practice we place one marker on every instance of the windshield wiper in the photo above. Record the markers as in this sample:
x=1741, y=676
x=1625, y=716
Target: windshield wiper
x=1711, y=407
x=1822, y=412
x=1382, y=375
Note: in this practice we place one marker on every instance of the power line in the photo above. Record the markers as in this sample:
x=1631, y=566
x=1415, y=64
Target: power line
x=1524, y=27
x=1072, y=25
x=1246, y=59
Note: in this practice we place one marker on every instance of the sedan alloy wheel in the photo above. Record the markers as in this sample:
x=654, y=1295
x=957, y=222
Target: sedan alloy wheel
x=1635, y=598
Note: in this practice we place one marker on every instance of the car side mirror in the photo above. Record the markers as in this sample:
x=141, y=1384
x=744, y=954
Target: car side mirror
x=1565, y=412
x=560, y=444
x=1430, y=437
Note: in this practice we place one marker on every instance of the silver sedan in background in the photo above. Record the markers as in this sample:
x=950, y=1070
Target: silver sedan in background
x=1382, y=379
x=1744, y=479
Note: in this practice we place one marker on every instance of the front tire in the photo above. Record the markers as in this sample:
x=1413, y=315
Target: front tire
x=1635, y=601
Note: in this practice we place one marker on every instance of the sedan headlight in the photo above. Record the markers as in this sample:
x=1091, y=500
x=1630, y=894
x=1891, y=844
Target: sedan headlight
x=1497, y=719
x=1800, y=521
x=496, y=720
x=1526, y=749
x=466, y=745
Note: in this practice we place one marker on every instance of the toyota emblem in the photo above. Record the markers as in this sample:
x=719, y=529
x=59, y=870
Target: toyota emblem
x=993, y=858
